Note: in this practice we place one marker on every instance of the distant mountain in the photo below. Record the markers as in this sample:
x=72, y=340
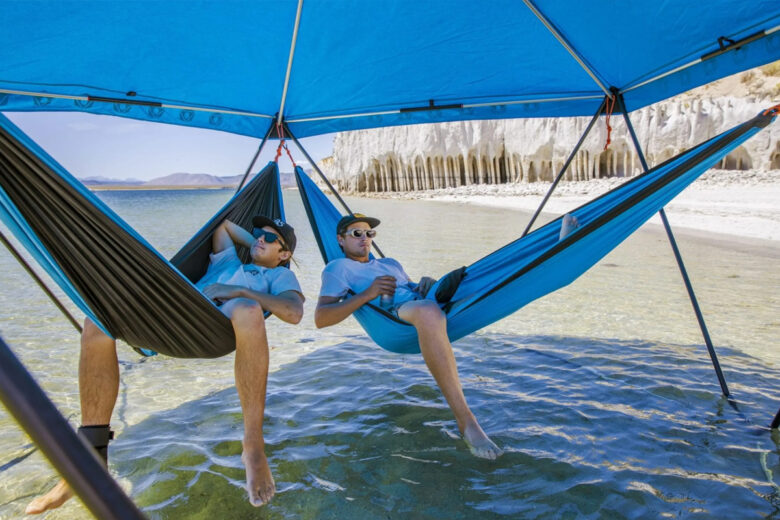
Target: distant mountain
x=184, y=179
x=194, y=179
x=101, y=181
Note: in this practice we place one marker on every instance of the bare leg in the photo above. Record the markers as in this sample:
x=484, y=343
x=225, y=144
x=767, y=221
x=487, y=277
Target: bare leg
x=251, y=371
x=98, y=389
x=431, y=325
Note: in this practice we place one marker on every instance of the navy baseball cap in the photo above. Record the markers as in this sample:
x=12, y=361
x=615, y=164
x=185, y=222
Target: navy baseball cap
x=284, y=229
x=345, y=222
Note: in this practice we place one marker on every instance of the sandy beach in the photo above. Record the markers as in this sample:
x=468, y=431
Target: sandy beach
x=737, y=204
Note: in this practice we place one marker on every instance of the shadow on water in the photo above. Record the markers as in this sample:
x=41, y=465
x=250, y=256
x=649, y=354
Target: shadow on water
x=591, y=429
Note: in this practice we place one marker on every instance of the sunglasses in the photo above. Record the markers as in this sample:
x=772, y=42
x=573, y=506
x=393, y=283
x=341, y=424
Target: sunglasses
x=358, y=233
x=270, y=238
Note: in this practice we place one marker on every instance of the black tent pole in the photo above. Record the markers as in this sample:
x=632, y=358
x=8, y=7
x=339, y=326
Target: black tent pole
x=257, y=154
x=565, y=166
x=678, y=257
x=40, y=283
x=71, y=457
x=327, y=182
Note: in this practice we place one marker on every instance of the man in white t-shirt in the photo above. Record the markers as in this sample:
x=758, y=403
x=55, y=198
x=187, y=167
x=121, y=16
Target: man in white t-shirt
x=243, y=292
x=370, y=279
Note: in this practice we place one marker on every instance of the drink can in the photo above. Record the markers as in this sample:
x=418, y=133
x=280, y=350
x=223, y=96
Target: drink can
x=386, y=301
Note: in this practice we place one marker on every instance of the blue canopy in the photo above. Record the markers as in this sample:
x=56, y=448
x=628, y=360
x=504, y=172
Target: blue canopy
x=351, y=64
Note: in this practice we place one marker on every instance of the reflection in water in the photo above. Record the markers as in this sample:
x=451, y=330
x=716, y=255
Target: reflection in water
x=630, y=426
x=625, y=428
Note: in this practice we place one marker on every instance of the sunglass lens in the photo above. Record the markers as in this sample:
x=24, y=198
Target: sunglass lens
x=268, y=237
x=358, y=233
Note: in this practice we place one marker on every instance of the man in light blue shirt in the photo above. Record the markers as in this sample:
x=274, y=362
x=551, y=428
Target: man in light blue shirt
x=243, y=292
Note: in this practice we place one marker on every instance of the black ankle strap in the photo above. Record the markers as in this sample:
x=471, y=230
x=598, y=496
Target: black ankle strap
x=98, y=437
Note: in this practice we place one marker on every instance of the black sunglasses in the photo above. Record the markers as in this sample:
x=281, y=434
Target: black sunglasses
x=270, y=238
x=358, y=233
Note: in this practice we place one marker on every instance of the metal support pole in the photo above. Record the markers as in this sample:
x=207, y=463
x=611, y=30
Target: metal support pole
x=699, y=317
x=40, y=283
x=565, y=166
x=71, y=457
x=257, y=154
x=325, y=179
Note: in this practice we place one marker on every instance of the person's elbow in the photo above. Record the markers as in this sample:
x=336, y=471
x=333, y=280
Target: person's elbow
x=321, y=318
x=296, y=314
x=319, y=322
x=293, y=312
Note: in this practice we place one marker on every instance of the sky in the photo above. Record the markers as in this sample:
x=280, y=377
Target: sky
x=90, y=145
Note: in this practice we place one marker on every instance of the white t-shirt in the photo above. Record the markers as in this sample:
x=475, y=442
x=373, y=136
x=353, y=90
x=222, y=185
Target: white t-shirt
x=225, y=267
x=343, y=274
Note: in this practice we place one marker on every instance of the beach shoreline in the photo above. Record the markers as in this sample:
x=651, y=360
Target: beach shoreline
x=735, y=206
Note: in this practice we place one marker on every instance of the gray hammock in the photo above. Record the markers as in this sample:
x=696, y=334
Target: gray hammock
x=106, y=268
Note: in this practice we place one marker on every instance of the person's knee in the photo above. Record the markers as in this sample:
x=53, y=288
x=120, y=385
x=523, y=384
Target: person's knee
x=247, y=313
x=93, y=336
x=428, y=313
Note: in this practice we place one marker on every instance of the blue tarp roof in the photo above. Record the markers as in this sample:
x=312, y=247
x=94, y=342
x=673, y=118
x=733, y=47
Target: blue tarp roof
x=357, y=63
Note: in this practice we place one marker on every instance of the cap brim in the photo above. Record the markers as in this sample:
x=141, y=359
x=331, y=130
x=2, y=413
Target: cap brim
x=260, y=221
x=371, y=221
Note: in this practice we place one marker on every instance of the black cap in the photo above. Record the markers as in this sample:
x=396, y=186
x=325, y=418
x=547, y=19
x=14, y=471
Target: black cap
x=283, y=228
x=345, y=222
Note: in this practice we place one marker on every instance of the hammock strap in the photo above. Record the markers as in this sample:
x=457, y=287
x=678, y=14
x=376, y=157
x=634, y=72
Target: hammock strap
x=610, y=103
x=686, y=280
x=282, y=144
x=326, y=181
x=772, y=111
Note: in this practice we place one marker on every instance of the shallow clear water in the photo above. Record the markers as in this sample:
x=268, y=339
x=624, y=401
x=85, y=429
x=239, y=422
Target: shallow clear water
x=602, y=394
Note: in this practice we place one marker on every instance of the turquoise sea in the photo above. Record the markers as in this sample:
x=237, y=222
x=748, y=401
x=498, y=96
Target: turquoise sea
x=602, y=394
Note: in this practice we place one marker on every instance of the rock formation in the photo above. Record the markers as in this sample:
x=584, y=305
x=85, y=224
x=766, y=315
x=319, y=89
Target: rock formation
x=430, y=156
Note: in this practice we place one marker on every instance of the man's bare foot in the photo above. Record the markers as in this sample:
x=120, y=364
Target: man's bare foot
x=259, y=481
x=479, y=443
x=58, y=495
x=569, y=224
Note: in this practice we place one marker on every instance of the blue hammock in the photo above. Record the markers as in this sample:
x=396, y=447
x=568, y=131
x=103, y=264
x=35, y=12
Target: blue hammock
x=537, y=264
x=107, y=269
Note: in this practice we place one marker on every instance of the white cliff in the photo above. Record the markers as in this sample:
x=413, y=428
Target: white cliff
x=430, y=156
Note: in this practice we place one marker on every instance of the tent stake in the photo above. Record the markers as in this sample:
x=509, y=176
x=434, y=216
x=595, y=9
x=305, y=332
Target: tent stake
x=71, y=457
x=565, y=166
x=699, y=317
x=257, y=154
x=40, y=282
x=327, y=182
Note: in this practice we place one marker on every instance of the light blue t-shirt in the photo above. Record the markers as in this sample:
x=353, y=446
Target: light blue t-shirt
x=225, y=267
x=342, y=275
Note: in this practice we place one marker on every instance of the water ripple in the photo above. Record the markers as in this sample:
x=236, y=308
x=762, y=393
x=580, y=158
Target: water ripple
x=355, y=432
